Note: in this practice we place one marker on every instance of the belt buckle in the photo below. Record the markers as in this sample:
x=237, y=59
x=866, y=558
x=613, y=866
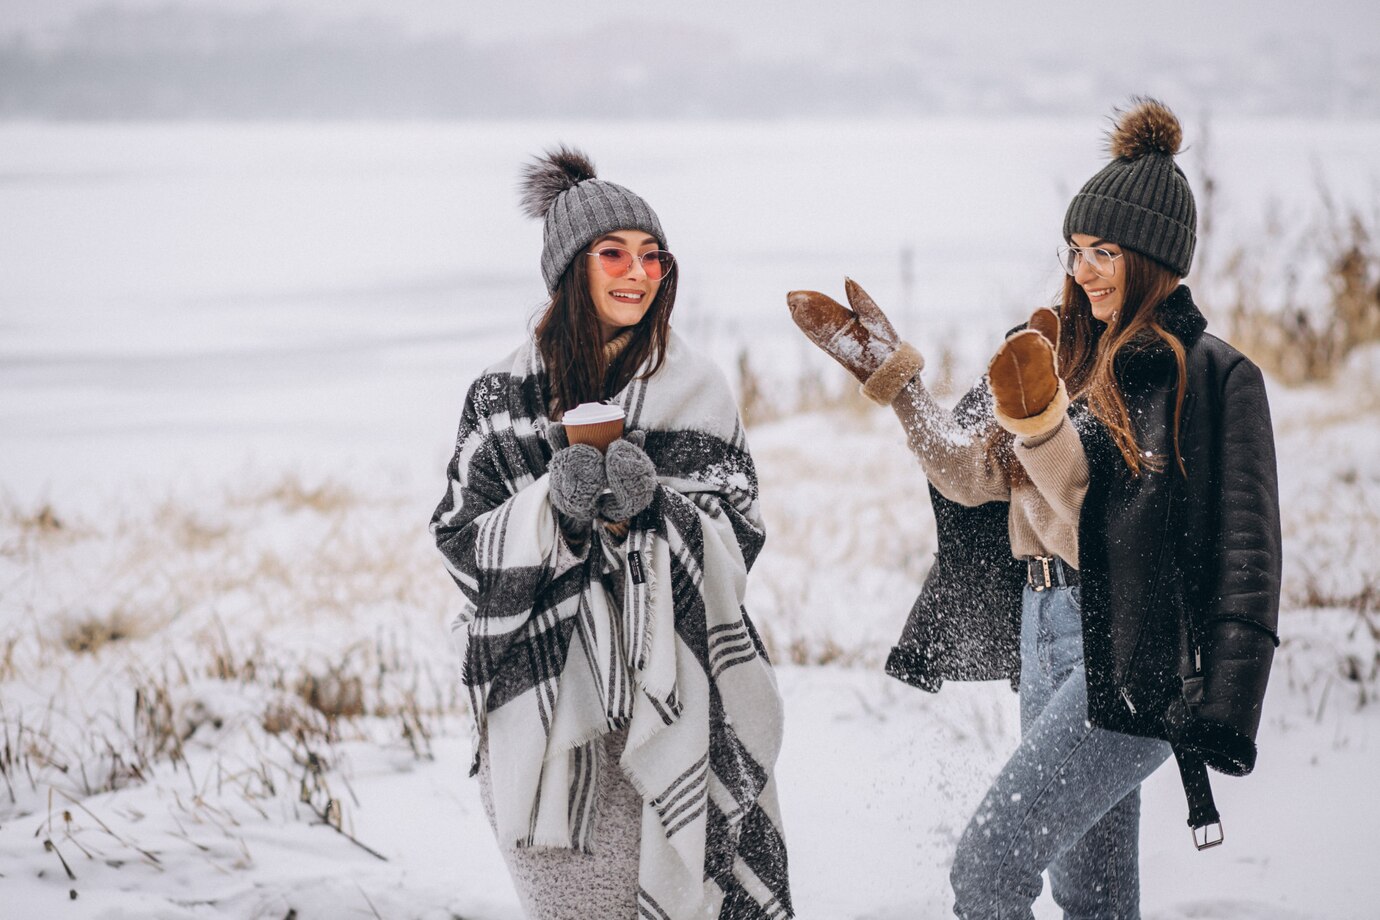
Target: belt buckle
x=1044, y=568
x=1207, y=841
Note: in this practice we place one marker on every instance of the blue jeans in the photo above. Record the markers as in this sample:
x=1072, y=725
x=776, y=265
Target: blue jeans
x=1068, y=800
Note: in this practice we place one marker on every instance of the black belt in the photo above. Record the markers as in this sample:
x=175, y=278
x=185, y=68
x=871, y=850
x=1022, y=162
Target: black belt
x=1202, y=810
x=1043, y=572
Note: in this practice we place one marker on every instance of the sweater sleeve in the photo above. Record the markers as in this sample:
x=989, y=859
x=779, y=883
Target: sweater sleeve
x=1058, y=467
x=953, y=455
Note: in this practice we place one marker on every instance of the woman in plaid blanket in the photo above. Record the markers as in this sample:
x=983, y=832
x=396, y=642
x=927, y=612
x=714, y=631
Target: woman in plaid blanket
x=627, y=720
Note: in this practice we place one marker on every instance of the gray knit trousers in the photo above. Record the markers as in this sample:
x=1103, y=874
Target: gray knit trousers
x=555, y=884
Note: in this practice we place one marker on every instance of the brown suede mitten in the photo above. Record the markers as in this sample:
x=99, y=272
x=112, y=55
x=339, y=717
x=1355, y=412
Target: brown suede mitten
x=1030, y=397
x=861, y=339
x=1046, y=322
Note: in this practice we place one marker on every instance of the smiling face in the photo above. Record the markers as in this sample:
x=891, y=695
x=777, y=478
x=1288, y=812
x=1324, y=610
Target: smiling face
x=1106, y=292
x=623, y=301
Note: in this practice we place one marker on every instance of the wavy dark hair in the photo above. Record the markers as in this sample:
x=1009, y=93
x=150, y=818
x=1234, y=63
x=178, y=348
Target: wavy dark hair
x=1089, y=354
x=571, y=341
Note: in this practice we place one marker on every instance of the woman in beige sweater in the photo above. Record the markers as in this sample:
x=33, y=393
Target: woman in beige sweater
x=1133, y=591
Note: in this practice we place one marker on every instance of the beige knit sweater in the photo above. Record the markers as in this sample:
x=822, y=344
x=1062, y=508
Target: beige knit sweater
x=1044, y=511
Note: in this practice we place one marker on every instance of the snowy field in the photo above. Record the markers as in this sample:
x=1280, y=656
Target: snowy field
x=231, y=363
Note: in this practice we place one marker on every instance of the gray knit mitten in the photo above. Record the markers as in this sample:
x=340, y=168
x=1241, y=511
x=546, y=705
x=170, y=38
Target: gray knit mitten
x=631, y=478
x=555, y=435
x=577, y=478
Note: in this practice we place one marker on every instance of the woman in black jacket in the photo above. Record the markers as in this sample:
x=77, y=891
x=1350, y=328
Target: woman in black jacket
x=1108, y=521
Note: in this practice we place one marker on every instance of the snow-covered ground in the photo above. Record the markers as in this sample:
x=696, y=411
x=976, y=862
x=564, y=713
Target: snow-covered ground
x=243, y=605
x=231, y=361
x=877, y=782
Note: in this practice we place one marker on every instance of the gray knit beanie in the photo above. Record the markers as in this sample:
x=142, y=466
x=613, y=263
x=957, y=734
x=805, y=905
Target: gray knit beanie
x=560, y=187
x=1141, y=200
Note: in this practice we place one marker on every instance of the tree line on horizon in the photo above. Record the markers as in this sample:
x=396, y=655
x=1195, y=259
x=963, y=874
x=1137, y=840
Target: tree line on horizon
x=181, y=63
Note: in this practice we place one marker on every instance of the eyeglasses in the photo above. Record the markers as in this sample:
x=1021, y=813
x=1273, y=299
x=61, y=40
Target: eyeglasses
x=1099, y=260
x=617, y=262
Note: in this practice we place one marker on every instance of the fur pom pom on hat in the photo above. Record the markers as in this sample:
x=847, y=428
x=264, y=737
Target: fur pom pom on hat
x=1141, y=200
x=1149, y=127
x=544, y=179
x=562, y=189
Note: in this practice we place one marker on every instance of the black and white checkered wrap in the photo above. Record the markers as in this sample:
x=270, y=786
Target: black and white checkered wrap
x=550, y=664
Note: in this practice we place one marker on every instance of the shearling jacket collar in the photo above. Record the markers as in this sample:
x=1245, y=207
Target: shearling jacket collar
x=1181, y=316
x=1147, y=356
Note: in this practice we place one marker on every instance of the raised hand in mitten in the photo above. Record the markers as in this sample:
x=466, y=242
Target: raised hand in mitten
x=576, y=475
x=1030, y=398
x=861, y=339
x=631, y=478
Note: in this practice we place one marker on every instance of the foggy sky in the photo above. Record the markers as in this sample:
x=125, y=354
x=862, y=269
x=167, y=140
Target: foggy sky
x=539, y=58
x=1079, y=29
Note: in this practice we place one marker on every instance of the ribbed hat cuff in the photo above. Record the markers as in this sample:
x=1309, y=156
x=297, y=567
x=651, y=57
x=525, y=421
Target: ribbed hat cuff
x=586, y=212
x=1125, y=223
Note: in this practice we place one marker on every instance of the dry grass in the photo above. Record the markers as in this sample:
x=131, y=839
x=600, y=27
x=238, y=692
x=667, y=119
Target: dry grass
x=762, y=400
x=24, y=530
x=1303, y=291
x=187, y=529
x=291, y=493
x=92, y=632
x=8, y=645
x=223, y=661
x=825, y=650
x=1326, y=671
x=288, y=611
x=1300, y=328
x=294, y=616
x=335, y=695
x=42, y=521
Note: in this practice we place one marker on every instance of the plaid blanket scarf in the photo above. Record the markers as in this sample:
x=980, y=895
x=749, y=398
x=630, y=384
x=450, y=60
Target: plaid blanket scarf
x=552, y=661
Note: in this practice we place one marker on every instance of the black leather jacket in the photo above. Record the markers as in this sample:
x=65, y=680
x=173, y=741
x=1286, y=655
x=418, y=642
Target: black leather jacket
x=1180, y=576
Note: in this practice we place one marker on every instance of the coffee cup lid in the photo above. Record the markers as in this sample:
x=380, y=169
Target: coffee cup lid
x=592, y=413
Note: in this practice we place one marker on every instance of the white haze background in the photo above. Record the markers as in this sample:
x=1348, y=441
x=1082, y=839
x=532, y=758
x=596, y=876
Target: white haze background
x=194, y=312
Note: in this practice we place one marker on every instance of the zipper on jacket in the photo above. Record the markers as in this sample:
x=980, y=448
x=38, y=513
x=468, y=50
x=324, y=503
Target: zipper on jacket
x=1126, y=698
x=1192, y=688
x=1189, y=406
x=1159, y=578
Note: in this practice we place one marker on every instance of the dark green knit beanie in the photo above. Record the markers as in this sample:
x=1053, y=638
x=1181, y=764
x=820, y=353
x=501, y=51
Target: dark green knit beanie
x=1141, y=200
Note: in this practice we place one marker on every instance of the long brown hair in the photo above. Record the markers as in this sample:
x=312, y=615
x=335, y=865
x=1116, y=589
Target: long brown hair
x=571, y=341
x=1089, y=361
x=1088, y=356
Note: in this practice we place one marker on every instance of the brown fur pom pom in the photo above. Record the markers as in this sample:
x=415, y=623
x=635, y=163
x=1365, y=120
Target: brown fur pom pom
x=1147, y=127
x=545, y=178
